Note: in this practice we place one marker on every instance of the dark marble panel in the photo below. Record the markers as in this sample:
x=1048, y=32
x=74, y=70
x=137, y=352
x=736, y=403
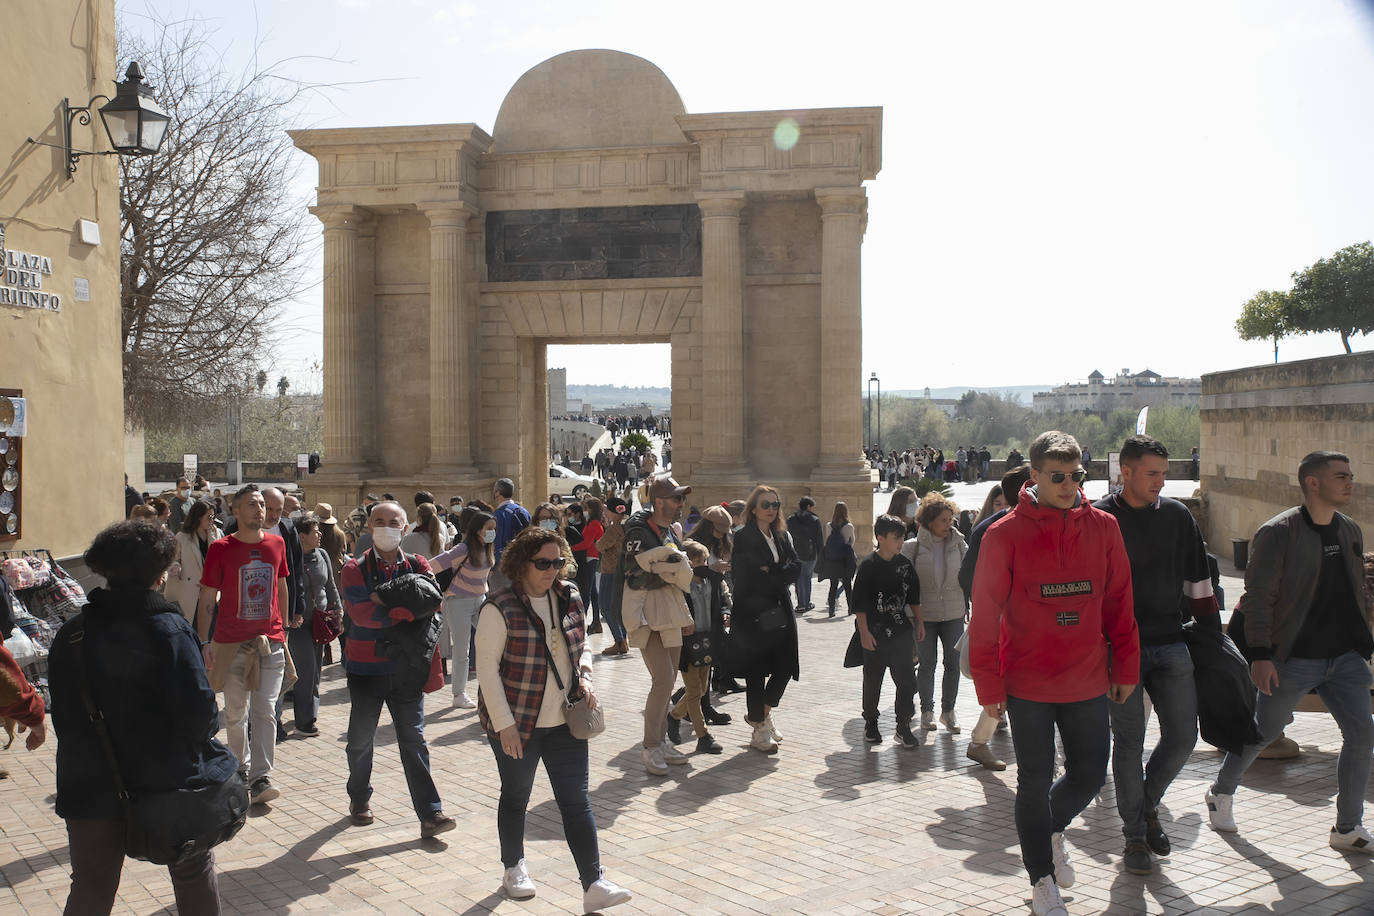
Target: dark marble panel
x=594, y=243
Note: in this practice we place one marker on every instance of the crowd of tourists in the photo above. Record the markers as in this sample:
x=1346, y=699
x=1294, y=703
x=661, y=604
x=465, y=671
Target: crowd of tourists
x=969, y=464
x=1066, y=615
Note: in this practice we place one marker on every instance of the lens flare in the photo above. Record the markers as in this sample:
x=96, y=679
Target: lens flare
x=785, y=134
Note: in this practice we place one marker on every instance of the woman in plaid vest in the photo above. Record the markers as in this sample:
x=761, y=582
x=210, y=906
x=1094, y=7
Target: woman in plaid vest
x=531, y=652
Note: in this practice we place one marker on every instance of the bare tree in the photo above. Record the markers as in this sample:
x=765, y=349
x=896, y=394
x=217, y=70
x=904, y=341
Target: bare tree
x=211, y=235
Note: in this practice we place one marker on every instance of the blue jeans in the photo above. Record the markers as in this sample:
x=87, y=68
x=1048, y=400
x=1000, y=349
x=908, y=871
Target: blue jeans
x=1043, y=809
x=367, y=693
x=808, y=567
x=1167, y=673
x=605, y=583
x=1343, y=685
x=946, y=632
x=565, y=762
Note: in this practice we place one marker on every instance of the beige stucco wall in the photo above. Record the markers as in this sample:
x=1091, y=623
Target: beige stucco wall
x=67, y=362
x=1258, y=423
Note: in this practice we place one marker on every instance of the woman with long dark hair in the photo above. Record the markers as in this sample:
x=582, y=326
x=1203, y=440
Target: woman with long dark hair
x=838, y=561
x=198, y=532
x=588, y=559
x=763, y=627
x=471, y=562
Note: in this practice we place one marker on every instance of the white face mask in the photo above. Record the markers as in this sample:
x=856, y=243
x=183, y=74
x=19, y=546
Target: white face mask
x=911, y=510
x=489, y=537
x=299, y=513
x=386, y=539
x=549, y=524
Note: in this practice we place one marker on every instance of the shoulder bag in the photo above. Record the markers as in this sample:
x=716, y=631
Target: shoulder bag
x=583, y=721
x=168, y=826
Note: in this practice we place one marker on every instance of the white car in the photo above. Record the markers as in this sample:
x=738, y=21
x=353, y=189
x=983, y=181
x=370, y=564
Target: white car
x=566, y=482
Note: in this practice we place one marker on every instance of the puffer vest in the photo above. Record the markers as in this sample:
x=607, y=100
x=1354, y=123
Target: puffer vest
x=524, y=667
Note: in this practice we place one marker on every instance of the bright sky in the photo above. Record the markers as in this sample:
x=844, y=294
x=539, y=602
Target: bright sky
x=1092, y=180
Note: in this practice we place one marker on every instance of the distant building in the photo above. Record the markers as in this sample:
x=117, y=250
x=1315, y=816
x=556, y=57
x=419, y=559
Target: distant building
x=1102, y=395
x=558, y=392
x=948, y=405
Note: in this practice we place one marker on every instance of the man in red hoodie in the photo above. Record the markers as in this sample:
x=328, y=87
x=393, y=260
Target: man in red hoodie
x=1053, y=636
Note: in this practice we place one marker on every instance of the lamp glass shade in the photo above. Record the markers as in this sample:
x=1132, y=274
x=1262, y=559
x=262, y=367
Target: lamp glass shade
x=122, y=126
x=154, y=129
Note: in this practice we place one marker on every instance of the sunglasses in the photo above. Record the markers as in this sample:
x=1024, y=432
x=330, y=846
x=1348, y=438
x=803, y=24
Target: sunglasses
x=1077, y=476
x=765, y=506
x=544, y=565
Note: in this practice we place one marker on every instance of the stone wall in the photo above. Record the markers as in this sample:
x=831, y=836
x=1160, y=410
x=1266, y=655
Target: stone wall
x=578, y=438
x=1257, y=424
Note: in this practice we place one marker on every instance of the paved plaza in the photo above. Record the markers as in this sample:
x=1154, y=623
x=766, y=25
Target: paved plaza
x=828, y=826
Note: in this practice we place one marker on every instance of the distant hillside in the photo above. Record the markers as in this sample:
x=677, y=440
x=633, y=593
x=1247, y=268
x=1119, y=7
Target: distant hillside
x=603, y=396
x=1020, y=392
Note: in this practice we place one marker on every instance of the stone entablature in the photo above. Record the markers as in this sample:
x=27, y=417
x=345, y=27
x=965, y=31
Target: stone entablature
x=435, y=368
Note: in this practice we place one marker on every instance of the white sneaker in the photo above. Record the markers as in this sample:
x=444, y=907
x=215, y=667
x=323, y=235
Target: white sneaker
x=1357, y=840
x=950, y=721
x=670, y=753
x=603, y=894
x=928, y=720
x=517, y=883
x=763, y=739
x=1045, y=899
x=654, y=764
x=1063, y=869
x=463, y=701
x=1219, y=810
x=772, y=729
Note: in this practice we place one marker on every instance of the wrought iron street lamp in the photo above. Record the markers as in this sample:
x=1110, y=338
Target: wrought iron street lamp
x=133, y=121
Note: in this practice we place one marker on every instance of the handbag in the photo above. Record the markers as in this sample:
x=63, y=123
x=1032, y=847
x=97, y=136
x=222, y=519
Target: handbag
x=700, y=650
x=325, y=627
x=168, y=826
x=772, y=619
x=583, y=721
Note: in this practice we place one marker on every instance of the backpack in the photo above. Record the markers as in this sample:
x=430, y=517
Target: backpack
x=836, y=550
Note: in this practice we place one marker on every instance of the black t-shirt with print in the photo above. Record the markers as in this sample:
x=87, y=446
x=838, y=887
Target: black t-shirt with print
x=1333, y=625
x=882, y=590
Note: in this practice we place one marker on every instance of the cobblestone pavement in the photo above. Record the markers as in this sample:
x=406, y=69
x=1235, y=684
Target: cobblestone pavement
x=827, y=826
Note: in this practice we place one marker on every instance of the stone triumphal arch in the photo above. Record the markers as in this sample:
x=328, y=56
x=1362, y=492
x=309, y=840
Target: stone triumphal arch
x=597, y=211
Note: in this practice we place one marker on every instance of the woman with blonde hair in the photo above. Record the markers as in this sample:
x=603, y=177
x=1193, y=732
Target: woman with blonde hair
x=427, y=539
x=937, y=552
x=762, y=625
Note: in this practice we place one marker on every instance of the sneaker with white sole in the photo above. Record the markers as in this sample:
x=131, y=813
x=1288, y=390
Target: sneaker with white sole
x=671, y=754
x=516, y=882
x=1063, y=869
x=1219, y=811
x=463, y=701
x=1357, y=840
x=654, y=764
x=762, y=739
x=928, y=719
x=1045, y=899
x=772, y=729
x=950, y=721
x=603, y=894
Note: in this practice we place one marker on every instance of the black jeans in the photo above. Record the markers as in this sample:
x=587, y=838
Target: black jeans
x=565, y=762
x=97, y=857
x=1043, y=809
x=891, y=655
x=840, y=581
x=764, y=683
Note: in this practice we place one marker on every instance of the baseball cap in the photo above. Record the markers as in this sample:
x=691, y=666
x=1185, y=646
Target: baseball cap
x=666, y=488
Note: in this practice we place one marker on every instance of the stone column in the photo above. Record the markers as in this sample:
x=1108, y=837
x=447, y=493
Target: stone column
x=450, y=415
x=344, y=342
x=841, y=434
x=722, y=339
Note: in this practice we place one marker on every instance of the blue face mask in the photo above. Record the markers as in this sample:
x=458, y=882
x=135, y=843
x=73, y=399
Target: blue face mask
x=489, y=537
x=549, y=524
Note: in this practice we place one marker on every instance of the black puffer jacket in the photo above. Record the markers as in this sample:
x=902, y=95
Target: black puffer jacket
x=410, y=643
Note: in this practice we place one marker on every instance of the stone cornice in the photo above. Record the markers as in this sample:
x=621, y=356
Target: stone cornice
x=868, y=122
x=359, y=139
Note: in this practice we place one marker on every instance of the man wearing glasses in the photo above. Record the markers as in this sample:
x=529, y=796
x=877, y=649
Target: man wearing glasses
x=652, y=578
x=1051, y=592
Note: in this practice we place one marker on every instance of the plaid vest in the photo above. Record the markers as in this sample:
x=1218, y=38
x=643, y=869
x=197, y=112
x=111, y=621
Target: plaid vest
x=524, y=667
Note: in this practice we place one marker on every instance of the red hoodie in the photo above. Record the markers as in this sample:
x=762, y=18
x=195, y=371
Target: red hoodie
x=1051, y=591
x=18, y=700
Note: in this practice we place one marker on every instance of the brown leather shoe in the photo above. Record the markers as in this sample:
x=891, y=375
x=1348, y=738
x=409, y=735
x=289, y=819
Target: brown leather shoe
x=435, y=824
x=361, y=814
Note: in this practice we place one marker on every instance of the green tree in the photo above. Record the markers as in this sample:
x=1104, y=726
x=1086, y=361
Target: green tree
x=1336, y=294
x=1266, y=316
x=635, y=440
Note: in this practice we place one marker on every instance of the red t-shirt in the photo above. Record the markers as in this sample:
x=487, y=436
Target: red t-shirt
x=246, y=576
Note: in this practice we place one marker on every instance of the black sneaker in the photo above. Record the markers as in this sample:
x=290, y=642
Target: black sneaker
x=1155, y=837
x=904, y=737
x=674, y=729
x=1137, y=858
x=708, y=745
x=262, y=791
x=871, y=733
x=714, y=716
x=309, y=731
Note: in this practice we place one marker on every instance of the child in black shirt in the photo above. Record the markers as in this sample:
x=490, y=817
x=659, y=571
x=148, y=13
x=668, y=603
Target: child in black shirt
x=887, y=603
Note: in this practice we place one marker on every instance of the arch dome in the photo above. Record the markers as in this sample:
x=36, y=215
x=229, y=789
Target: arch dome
x=590, y=99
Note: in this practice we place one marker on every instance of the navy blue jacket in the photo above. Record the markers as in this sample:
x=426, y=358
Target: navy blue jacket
x=145, y=672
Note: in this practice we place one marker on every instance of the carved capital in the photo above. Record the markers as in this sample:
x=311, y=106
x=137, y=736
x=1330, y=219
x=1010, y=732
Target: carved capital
x=342, y=216
x=450, y=214
x=842, y=201
x=720, y=204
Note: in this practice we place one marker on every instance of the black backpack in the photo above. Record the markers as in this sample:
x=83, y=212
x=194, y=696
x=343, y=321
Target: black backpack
x=836, y=550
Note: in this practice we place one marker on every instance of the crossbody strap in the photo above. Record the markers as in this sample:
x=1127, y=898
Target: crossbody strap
x=75, y=640
x=548, y=656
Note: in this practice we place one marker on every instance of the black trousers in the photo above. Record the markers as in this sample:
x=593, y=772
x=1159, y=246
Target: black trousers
x=892, y=655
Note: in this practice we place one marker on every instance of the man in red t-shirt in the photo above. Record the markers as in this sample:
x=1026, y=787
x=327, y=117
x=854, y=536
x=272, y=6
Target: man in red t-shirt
x=246, y=571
